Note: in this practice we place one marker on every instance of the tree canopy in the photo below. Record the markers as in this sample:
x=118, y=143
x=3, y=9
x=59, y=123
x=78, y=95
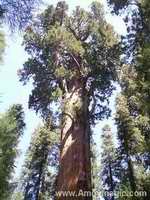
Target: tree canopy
x=16, y=13
x=62, y=47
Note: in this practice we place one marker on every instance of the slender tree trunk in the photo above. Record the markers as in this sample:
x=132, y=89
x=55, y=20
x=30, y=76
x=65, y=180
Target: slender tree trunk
x=131, y=175
x=37, y=187
x=39, y=182
x=130, y=169
x=75, y=166
x=39, y=191
x=111, y=180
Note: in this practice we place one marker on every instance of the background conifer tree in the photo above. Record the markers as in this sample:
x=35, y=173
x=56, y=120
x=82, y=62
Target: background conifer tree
x=134, y=81
x=108, y=162
x=11, y=128
x=41, y=165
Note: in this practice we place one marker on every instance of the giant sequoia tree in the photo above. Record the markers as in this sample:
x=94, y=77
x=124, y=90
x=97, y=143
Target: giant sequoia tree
x=11, y=128
x=72, y=62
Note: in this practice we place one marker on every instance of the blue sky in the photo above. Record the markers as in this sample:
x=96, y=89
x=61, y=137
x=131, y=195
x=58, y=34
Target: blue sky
x=12, y=91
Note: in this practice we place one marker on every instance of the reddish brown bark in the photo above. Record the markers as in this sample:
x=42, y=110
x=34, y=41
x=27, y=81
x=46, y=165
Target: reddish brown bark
x=75, y=167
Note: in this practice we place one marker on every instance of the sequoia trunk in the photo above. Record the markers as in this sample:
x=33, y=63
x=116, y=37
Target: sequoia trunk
x=75, y=167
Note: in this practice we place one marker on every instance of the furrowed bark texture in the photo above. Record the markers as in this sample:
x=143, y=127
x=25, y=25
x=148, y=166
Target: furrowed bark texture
x=75, y=167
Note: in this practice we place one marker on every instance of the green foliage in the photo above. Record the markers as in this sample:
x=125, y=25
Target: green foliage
x=2, y=45
x=125, y=188
x=132, y=143
x=11, y=128
x=133, y=117
x=69, y=47
x=109, y=171
x=95, y=166
x=17, y=14
x=118, y=5
x=17, y=196
x=128, y=129
x=40, y=169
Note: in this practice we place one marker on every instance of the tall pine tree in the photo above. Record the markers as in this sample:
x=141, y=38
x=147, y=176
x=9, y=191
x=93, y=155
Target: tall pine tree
x=108, y=162
x=40, y=169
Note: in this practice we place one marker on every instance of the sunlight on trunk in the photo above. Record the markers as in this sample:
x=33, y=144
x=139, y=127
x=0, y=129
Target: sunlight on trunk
x=75, y=166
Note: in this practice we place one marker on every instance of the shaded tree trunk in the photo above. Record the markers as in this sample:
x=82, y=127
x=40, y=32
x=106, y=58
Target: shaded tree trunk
x=33, y=191
x=40, y=182
x=75, y=166
x=111, y=180
x=131, y=175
